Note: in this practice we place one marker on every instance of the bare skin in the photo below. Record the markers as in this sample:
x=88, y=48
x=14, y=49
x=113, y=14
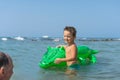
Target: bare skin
x=70, y=48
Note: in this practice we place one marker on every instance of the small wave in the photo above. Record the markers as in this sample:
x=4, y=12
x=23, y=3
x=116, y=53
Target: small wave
x=56, y=40
x=4, y=39
x=45, y=36
x=19, y=38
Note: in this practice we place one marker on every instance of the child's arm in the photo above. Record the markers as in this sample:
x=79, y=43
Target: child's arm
x=73, y=53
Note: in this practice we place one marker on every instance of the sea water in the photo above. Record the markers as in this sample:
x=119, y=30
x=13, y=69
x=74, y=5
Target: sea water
x=27, y=53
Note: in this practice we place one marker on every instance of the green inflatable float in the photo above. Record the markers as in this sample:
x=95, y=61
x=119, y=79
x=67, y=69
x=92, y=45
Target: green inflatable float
x=85, y=56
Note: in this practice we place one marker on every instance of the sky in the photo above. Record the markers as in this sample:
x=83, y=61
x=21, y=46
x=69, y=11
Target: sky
x=36, y=18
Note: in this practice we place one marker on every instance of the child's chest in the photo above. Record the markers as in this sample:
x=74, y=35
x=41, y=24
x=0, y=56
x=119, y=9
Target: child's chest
x=68, y=51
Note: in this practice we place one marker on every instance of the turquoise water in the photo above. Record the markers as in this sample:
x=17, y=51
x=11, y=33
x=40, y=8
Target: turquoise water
x=26, y=55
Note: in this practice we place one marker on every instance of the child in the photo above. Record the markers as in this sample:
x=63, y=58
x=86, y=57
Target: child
x=6, y=66
x=70, y=48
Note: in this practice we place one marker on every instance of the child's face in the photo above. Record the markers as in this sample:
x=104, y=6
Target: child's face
x=68, y=37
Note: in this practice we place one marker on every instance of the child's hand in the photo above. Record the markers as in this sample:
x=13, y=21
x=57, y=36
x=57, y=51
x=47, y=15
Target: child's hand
x=57, y=61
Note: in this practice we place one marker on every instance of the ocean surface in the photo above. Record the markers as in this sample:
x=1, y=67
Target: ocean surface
x=26, y=54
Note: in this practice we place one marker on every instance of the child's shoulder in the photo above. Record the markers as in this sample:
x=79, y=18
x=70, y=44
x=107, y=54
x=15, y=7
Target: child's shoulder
x=73, y=45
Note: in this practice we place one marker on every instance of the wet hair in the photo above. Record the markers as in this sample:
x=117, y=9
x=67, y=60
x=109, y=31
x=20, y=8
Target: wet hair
x=3, y=59
x=71, y=29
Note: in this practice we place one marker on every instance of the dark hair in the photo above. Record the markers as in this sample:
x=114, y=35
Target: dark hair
x=3, y=59
x=71, y=29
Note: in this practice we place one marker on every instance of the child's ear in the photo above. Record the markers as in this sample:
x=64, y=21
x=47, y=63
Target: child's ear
x=2, y=70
